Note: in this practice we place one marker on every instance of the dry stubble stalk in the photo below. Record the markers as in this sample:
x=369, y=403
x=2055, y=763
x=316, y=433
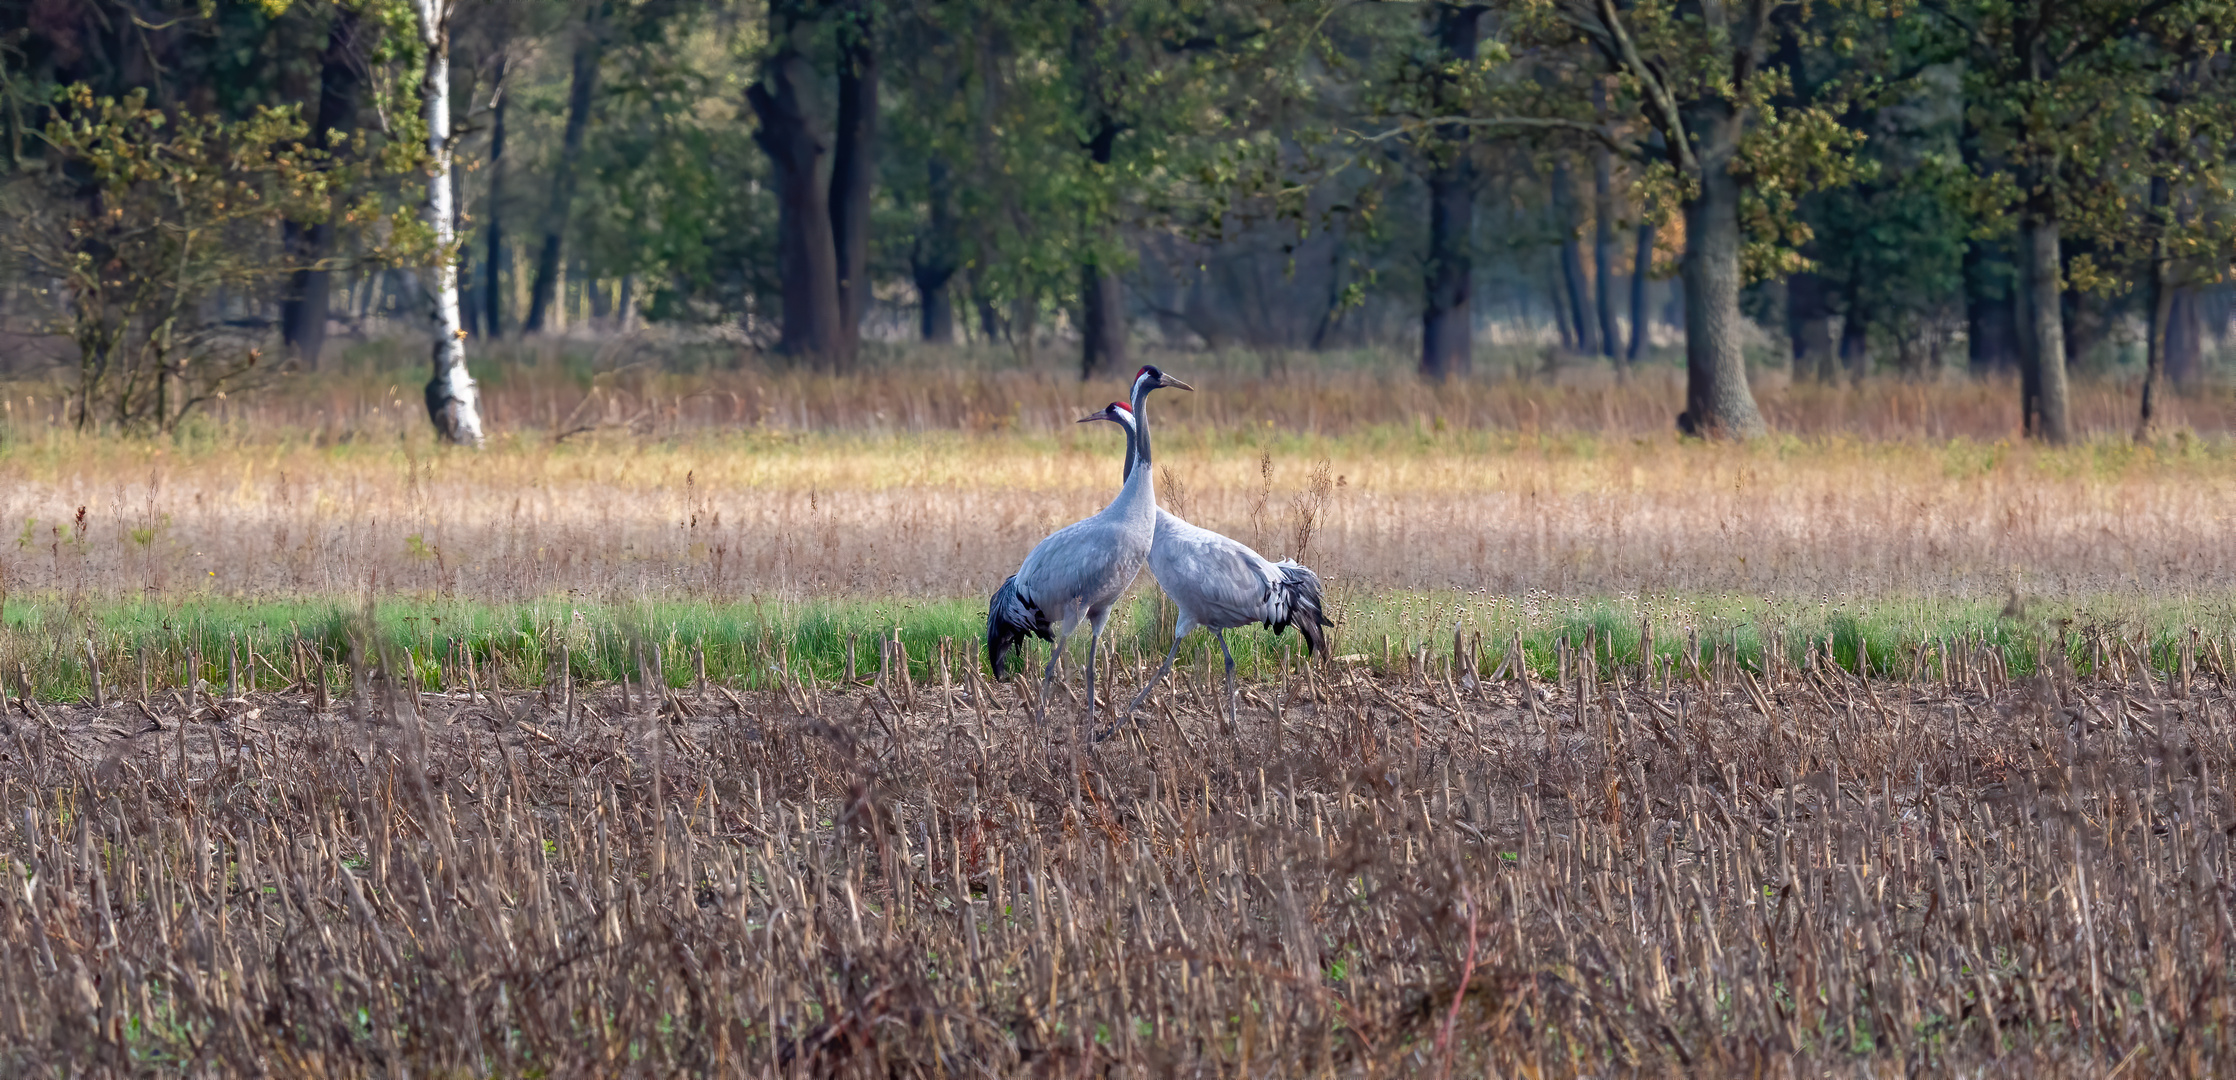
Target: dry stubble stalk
x=1772, y=886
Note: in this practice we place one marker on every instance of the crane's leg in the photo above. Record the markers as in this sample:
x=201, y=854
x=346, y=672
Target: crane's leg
x=1094, y=645
x=1162, y=670
x=1048, y=677
x=1234, y=708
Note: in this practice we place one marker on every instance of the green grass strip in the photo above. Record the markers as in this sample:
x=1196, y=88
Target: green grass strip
x=745, y=643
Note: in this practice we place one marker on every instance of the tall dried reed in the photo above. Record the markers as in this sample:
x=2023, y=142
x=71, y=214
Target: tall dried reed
x=651, y=384
x=712, y=517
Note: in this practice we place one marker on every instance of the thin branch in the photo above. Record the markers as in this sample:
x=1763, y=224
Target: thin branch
x=2119, y=29
x=1654, y=87
x=158, y=27
x=1970, y=28
x=1760, y=13
x=1542, y=122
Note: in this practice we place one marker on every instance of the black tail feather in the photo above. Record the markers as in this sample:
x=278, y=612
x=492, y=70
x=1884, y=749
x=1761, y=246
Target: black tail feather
x=1009, y=620
x=1305, y=605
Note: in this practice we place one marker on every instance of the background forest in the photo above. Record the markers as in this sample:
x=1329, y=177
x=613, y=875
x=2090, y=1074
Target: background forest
x=203, y=197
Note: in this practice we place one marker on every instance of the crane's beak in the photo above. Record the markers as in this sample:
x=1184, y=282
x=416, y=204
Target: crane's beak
x=1174, y=383
x=1103, y=415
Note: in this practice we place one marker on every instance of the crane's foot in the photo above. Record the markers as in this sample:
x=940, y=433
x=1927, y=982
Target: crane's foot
x=1114, y=726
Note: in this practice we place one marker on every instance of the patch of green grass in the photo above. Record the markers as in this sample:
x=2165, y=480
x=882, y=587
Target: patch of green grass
x=747, y=643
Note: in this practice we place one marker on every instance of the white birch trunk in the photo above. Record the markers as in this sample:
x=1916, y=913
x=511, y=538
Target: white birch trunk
x=452, y=402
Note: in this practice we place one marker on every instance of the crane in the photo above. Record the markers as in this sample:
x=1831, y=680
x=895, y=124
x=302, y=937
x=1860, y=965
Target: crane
x=1218, y=583
x=1080, y=570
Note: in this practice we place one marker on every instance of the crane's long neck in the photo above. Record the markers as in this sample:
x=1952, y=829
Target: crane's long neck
x=1128, y=474
x=1138, y=444
x=1139, y=495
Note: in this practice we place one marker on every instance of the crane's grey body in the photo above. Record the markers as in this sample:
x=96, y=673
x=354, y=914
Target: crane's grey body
x=1080, y=571
x=1219, y=583
x=1082, y=568
x=1216, y=581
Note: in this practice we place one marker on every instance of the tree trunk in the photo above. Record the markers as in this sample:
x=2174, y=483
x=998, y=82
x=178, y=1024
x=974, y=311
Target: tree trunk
x=1603, y=250
x=1809, y=325
x=1103, y=321
x=936, y=312
x=806, y=255
x=989, y=318
x=2088, y=319
x=1910, y=355
x=493, y=263
x=2158, y=301
x=468, y=311
x=1331, y=313
x=1023, y=329
x=990, y=325
x=1855, y=339
x=582, y=92
x=1641, y=272
x=593, y=289
x=2185, y=340
x=1101, y=300
x=1556, y=297
x=1573, y=290
x=1718, y=402
x=2044, y=392
x=453, y=403
x=310, y=288
x=1447, y=323
x=1990, y=310
x=2158, y=296
x=933, y=262
x=853, y=167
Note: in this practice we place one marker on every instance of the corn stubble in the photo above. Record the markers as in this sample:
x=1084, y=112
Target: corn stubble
x=1443, y=870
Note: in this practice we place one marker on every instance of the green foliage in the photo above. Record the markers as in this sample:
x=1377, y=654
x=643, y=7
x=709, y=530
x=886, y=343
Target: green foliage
x=1716, y=87
x=147, y=220
x=1895, y=244
x=1084, y=127
x=679, y=194
x=2078, y=108
x=1788, y=152
x=1892, y=241
x=1020, y=142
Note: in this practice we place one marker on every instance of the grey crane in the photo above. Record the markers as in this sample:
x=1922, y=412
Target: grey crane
x=1081, y=569
x=1218, y=583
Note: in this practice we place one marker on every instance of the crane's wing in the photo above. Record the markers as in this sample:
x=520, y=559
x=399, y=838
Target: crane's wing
x=1216, y=579
x=1010, y=619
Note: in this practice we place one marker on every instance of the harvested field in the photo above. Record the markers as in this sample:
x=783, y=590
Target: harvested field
x=1685, y=871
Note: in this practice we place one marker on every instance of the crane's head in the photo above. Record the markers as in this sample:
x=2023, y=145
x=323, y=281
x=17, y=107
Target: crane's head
x=1150, y=377
x=1116, y=412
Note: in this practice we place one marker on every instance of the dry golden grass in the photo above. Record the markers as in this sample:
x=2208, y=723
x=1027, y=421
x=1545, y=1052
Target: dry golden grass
x=653, y=384
x=774, y=513
x=1676, y=872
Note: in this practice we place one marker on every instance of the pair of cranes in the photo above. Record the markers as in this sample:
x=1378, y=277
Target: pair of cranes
x=1079, y=572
